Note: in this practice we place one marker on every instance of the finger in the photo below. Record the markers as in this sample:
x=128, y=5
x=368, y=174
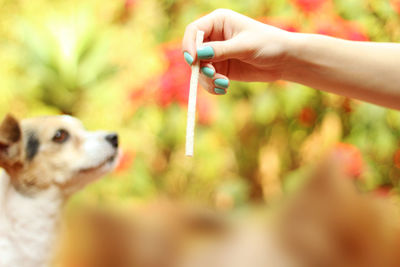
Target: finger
x=221, y=50
x=207, y=84
x=206, y=77
x=211, y=24
x=216, y=86
x=220, y=82
x=207, y=69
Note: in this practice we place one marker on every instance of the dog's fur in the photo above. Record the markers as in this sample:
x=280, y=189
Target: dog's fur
x=328, y=223
x=45, y=159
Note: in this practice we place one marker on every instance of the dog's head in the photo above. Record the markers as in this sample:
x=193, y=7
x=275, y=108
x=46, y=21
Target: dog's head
x=54, y=151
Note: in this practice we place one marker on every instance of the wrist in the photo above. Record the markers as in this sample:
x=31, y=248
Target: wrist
x=295, y=58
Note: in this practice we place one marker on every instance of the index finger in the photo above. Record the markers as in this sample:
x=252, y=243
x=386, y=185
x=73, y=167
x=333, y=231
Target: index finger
x=210, y=23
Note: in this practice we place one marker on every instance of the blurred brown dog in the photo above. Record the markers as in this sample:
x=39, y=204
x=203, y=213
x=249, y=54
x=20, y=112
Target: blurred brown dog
x=326, y=224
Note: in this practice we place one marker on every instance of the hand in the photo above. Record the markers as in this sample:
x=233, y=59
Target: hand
x=235, y=47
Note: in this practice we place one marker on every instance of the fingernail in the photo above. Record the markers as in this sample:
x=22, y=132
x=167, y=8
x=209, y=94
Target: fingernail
x=224, y=83
x=205, y=52
x=219, y=91
x=188, y=58
x=209, y=72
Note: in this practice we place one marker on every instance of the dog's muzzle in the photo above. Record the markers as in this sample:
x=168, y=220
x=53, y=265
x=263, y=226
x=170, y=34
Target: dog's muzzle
x=112, y=139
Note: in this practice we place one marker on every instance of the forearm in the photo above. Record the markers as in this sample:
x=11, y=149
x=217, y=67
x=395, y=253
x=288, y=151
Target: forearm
x=363, y=70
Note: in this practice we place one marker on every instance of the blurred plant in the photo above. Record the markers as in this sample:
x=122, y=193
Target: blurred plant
x=66, y=54
x=353, y=158
x=309, y=5
x=118, y=65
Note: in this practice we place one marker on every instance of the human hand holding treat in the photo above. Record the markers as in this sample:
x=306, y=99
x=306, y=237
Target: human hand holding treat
x=239, y=48
x=236, y=47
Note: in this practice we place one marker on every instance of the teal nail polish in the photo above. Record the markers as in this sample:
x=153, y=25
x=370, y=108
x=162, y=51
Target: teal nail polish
x=209, y=72
x=205, y=52
x=224, y=83
x=219, y=91
x=188, y=58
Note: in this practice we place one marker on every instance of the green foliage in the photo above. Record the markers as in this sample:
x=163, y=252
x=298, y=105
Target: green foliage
x=117, y=65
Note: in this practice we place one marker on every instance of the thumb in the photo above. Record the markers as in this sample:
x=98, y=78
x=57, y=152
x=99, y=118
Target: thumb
x=220, y=50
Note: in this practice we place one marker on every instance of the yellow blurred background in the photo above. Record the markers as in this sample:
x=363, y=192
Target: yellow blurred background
x=117, y=65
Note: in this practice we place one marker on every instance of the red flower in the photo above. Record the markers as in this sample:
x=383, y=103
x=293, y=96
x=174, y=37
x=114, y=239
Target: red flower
x=130, y=3
x=136, y=94
x=174, y=83
x=280, y=23
x=351, y=157
x=329, y=30
x=383, y=191
x=307, y=116
x=354, y=31
x=355, y=35
x=142, y=94
x=125, y=161
x=330, y=27
x=308, y=6
x=340, y=28
x=205, y=111
x=395, y=5
x=396, y=158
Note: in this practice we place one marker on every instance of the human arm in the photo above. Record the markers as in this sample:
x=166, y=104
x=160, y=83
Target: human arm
x=248, y=50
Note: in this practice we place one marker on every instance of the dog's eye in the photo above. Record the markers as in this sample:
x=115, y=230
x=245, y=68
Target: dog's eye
x=60, y=136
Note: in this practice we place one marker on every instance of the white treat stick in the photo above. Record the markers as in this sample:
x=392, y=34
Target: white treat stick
x=191, y=115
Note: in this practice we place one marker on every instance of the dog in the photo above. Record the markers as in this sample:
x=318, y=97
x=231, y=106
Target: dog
x=45, y=160
x=328, y=222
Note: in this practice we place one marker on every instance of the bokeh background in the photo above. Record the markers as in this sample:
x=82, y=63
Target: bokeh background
x=118, y=65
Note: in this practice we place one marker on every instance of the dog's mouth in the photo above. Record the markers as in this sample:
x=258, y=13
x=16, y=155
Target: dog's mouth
x=109, y=160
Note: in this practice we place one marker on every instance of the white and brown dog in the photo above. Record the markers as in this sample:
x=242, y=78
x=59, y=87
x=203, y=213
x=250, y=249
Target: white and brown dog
x=45, y=159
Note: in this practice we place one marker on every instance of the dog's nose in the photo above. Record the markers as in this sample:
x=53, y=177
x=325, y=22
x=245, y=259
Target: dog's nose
x=112, y=139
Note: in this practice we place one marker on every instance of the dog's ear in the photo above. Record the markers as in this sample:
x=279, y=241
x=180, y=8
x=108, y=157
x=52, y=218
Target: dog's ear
x=10, y=141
